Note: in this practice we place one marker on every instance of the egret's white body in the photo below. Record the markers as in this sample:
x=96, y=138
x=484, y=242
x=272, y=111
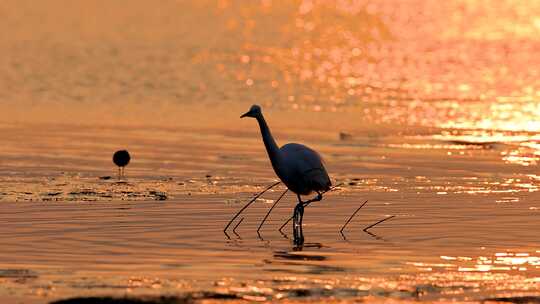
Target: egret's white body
x=300, y=168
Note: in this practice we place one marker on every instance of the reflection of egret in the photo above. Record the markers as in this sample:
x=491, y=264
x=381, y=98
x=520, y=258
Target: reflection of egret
x=121, y=159
x=299, y=168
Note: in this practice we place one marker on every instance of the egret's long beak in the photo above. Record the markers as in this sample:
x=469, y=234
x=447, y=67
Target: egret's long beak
x=245, y=114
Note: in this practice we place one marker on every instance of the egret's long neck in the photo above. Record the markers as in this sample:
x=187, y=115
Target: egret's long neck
x=269, y=142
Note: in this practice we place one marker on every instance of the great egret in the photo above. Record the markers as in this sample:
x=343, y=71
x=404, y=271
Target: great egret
x=121, y=159
x=298, y=167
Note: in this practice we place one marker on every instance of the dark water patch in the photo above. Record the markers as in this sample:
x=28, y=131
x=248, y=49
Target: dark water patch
x=83, y=193
x=421, y=290
x=103, y=195
x=313, y=245
x=343, y=136
x=401, y=294
x=324, y=293
x=298, y=268
x=298, y=256
x=123, y=183
x=323, y=269
x=209, y=295
x=190, y=298
x=488, y=145
x=240, y=157
x=91, y=285
x=300, y=293
x=516, y=300
x=18, y=273
x=158, y=196
x=173, y=266
x=111, y=300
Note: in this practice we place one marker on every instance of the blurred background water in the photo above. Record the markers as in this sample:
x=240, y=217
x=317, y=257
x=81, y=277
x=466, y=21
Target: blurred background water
x=468, y=67
x=460, y=64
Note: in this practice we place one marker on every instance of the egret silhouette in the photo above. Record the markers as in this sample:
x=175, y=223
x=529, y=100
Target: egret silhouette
x=300, y=168
x=121, y=159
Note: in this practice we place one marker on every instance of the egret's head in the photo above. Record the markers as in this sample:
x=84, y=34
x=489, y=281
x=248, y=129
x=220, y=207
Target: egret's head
x=254, y=112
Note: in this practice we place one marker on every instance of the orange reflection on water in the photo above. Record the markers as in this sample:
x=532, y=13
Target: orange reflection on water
x=497, y=262
x=468, y=67
x=503, y=261
x=437, y=68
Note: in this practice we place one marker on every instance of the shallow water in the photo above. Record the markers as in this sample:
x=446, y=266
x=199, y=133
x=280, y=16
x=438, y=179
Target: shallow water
x=426, y=109
x=466, y=233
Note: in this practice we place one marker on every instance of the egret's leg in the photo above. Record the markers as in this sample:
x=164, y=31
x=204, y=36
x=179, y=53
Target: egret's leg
x=297, y=225
x=299, y=218
x=301, y=224
x=297, y=222
x=301, y=211
x=296, y=218
x=298, y=214
x=318, y=198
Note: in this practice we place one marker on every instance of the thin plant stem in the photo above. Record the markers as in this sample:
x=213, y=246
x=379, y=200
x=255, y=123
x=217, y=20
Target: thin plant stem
x=248, y=204
x=285, y=224
x=271, y=208
x=377, y=223
x=351, y=217
x=238, y=224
